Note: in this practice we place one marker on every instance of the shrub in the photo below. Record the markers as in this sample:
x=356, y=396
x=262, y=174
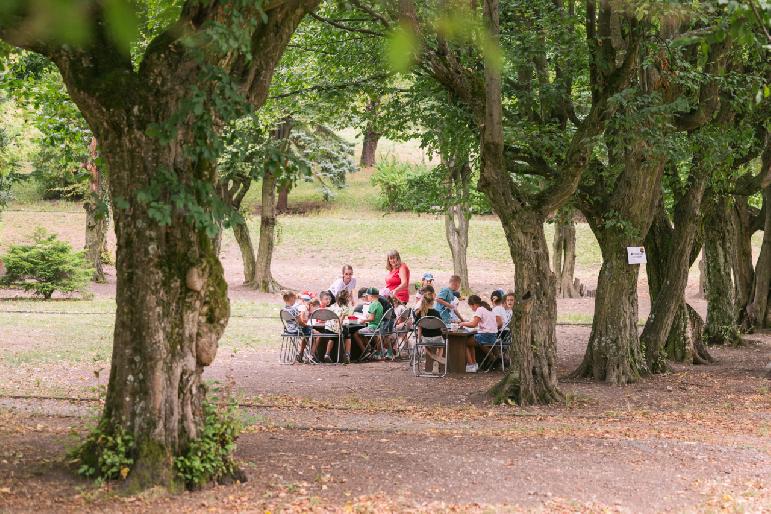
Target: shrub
x=210, y=457
x=105, y=456
x=46, y=266
x=57, y=178
x=417, y=188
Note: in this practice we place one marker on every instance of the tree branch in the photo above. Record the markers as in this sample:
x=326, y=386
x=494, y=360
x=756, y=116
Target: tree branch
x=332, y=87
x=345, y=27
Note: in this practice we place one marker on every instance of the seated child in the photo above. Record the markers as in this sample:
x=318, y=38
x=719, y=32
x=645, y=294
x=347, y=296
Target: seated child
x=501, y=317
x=373, y=316
x=312, y=305
x=487, y=329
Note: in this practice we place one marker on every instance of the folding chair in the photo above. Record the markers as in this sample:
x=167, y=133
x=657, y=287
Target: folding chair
x=289, y=338
x=383, y=330
x=503, y=343
x=325, y=315
x=423, y=348
x=404, y=334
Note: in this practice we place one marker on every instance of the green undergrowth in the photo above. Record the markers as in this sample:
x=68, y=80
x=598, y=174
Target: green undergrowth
x=109, y=455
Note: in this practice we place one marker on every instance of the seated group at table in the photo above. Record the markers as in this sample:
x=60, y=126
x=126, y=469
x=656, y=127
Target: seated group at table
x=359, y=313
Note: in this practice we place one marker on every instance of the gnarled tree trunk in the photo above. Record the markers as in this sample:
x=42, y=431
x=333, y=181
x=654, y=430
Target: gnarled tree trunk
x=97, y=217
x=172, y=308
x=564, y=256
x=614, y=354
x=718, y=252
x=762, y=285
x=263, y=277
x=457, y=216
x=533, y=375
x=371, y=136
x=673, y=328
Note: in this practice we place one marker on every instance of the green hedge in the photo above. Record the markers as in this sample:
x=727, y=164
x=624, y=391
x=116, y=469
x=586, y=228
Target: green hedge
x=418, y=188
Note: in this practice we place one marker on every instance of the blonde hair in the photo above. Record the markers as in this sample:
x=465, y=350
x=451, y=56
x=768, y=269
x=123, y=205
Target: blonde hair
x=393, y=253
x=426, y=302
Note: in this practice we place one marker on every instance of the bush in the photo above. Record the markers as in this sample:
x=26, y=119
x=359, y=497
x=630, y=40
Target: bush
x=57, y=179
x=416, y=188
x=46, y=266
x=210, y=457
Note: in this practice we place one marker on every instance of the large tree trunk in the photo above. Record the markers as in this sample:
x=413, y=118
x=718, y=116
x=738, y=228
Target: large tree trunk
x=244, y=240
x=742, y=266
x=673, y=328
x=533, y=374
x=263, y=278
x=457, y=217
x=762, y=285
x=172, y=308
x=564, y=256
x=371, y=137
x=282, y=204
x=97, y=217
x=718, y=252
x=614, y=354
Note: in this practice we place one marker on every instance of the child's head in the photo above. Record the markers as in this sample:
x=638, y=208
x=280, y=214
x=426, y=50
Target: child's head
x=511, y=299
x=496, y=297
x=343, y=298
x=305, y=298
x=325, y=298
x=362, y=293
x=475, y=302
x=455, y=282
x=289, y=297
x=372, y=294
x=428, y=279
x=314, y=304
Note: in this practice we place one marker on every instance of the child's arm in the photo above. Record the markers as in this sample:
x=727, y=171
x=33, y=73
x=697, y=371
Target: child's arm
x=471, y=324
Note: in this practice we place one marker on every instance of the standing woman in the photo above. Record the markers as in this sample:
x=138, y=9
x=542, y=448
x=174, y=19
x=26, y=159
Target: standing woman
x=398, y=278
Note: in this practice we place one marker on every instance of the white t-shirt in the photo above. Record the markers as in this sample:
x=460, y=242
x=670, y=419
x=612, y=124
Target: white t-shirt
x=505, y=315
x=487, y=324
x=338, y=285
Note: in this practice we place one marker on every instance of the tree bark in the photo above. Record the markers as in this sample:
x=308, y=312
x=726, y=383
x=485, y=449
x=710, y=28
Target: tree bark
x=282, y=204
x=614, y=353
x=244, y=240
x=171, y=296
x=172, y=308
x=673, y=329
x=457, y=217
x=564, y=256
x=371, y=136
x=263, y=277
x=762, y=285
x=742, y=266
x=718, y=252
x=97, y=220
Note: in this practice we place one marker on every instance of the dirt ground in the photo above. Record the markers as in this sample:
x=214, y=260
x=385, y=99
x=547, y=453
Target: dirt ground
x=373, y=438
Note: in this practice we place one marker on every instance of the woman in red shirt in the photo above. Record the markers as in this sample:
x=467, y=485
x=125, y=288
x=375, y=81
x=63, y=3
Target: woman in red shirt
x=398, y=278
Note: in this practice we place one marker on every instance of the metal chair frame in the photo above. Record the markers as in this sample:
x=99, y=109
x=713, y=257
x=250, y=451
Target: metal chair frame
x=289, y=340
x=380, y=331
x=404, y=335
x=503, y=340
x=325, y=315
x=430, y=323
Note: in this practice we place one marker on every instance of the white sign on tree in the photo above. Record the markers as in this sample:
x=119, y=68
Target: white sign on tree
x=635, y=255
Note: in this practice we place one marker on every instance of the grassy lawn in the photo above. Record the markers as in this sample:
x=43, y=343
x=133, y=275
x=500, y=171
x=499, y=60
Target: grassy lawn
x=78, y=331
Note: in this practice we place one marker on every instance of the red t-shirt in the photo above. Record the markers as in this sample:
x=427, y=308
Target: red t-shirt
x=393, y=281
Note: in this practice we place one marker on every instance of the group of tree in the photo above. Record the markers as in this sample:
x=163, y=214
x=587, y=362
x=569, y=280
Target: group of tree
x=650, y=118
